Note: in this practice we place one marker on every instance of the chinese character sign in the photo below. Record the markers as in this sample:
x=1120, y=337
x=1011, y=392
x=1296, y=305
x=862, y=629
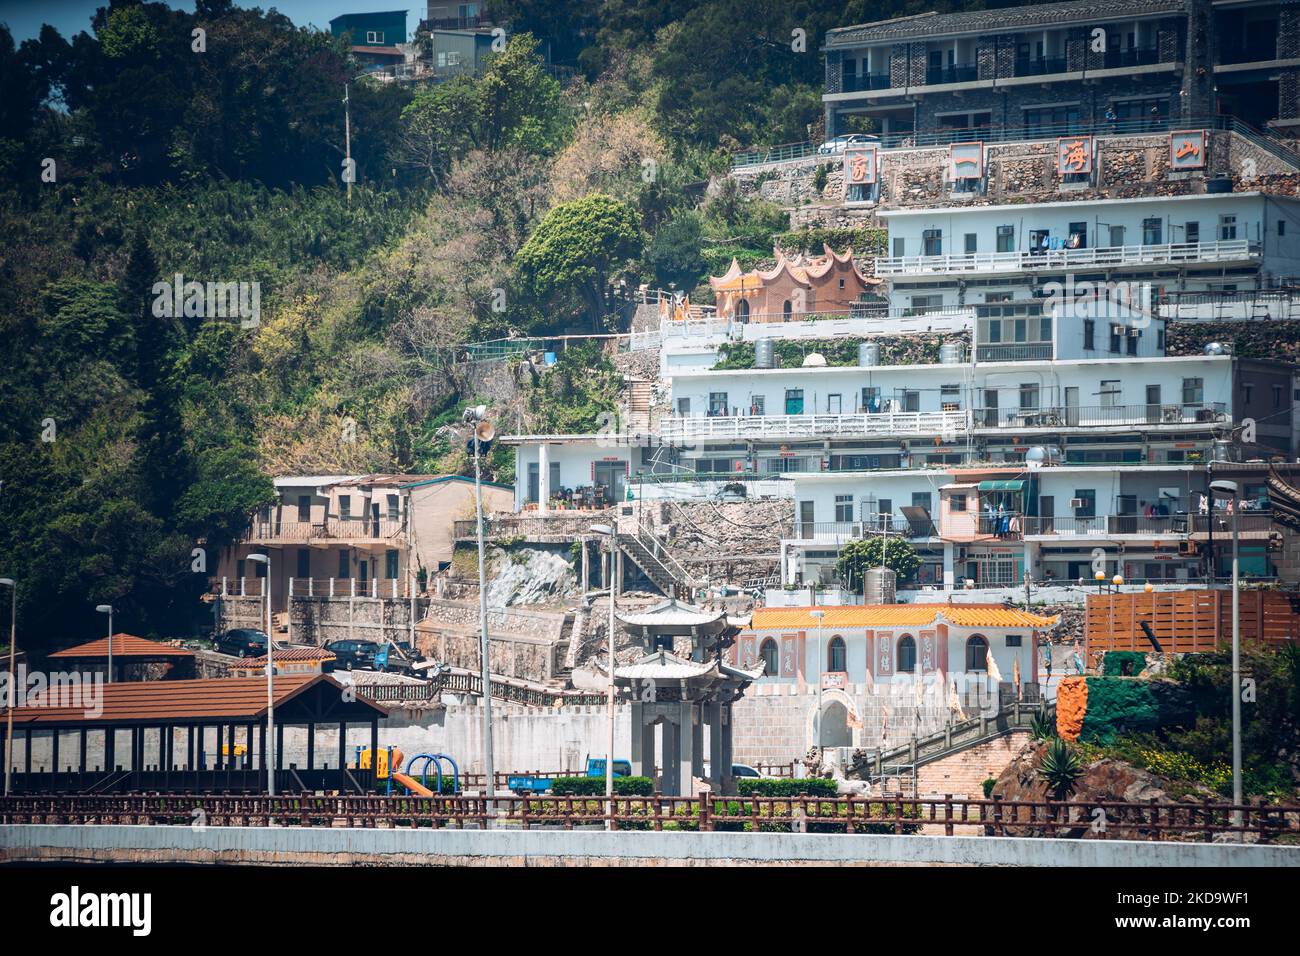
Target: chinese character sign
x=884, y=654
x=966, y=161
x=860, y=166
x=1074, y=155
x=928, y=659
x=788, y=668
x=1188, y=149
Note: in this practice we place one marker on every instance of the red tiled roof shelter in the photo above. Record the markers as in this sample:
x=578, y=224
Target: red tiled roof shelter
x=124, y=646
x=209, y=712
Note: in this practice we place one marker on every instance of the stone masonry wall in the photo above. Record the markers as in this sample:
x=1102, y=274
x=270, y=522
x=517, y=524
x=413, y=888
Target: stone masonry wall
x=964, y=773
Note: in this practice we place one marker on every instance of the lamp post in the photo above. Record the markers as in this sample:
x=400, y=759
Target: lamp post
x=483, y=432
x=1228, y=489
x=108, y=609
x=270, y=678
x=13, y=679
x=608, y=532
x=821, y=663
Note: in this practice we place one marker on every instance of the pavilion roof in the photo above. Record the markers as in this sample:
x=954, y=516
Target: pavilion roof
x=124, y=646
x=672, y=613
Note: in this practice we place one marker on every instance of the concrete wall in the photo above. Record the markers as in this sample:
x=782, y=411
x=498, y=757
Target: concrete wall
x=964, y=773
x=352, y=847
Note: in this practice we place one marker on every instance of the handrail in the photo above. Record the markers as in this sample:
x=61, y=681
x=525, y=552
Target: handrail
x=1021, y=260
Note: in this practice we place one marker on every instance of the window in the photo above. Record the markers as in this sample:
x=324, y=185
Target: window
x=932, y=243
x=768, y=652
x=794, y=401
x=835, y=656
x=921, y=499
x=1193, y=391
x=906, y=655
x=1089, y=334
x=1028, y=396
x=345, y=564
x=1192, y=232
x=717, y=403
x=684, y=407
x=1281, y=228
x=834, y=403
x=1116, y=333
x=1013, y=640
x=304, y=508
x=972, y=241
x=1110, y=393
x=977, y=653
x=843, y=507
x=345, y=506
x=304, y=562
x=1277, y=396
x=374, y=36
x=390, y=565
x=1152, y=232
x=1087, y=503
x=1117, y=235
x=758, y=405
x=393, y=512
x=898, y=247
x=1131, y=341
x=1006, y=238
x=1227, y=228
x=870, y=398
x=786, y=310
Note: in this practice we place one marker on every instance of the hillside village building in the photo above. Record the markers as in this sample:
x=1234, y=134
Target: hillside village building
x=794, y=288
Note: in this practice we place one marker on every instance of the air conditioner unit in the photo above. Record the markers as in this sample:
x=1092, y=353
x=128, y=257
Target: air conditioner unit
x=1134, y=332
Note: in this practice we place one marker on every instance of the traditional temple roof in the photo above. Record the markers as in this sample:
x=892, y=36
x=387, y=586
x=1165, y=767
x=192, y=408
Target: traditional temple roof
x=124, y=646
x=899, y=615
x=663, y=665
x=671, y=613
x=801, y=271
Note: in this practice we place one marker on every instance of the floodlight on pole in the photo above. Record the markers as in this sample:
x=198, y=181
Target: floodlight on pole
x=479, y=440
x=270, y=681
x=1223, y=488
x=12, y=702
x=821, y=663
x=108, y=609
x=608, y=532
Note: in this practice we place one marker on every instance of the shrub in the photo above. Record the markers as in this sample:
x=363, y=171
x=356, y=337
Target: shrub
x=787, y=787
x=1060, y=768
x=988, y=785
x=1042, y=727
x=595, y=786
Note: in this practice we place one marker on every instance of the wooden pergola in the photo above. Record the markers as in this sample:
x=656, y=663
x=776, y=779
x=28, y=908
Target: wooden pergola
x=207, y=714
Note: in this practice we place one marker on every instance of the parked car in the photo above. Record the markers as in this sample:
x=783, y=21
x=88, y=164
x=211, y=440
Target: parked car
x=242, y=642
x=352, y=655
x=840, y=143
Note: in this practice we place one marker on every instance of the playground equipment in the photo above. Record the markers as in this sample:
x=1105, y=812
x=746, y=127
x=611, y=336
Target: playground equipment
x=422, y=788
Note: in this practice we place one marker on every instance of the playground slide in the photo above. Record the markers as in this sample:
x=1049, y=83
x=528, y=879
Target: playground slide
x=413, y=786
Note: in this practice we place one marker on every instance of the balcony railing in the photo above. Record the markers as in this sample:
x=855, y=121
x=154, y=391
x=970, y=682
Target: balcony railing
x=1228, y=250
x=957, y=73
x=1107, y=525
x=853, y=83
x=1141, y=56
x=1022, y=352
x=1075, y=416
x=1236, y=52
x=1040, y=66
x=331, y=529
x=840, y=531
x=885, y=424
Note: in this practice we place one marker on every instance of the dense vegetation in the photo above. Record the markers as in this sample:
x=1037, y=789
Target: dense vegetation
x=133, y=443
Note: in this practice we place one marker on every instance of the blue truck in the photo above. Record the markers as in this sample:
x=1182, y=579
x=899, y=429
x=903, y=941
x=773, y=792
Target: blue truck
x=527, y=785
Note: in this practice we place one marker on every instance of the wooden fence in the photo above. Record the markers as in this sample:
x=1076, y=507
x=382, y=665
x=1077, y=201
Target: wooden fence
x=1186, y=621
x=848, y=814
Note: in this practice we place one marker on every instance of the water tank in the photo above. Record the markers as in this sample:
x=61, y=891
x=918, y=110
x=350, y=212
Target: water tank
x=879, y=587
x=764, y=356
x=814, y=360
x=952, y=353
x=868, y=354
x=1218, y=348
x=1222, y=185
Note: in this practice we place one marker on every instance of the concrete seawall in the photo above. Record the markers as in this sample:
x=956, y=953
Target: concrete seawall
x=290, y=846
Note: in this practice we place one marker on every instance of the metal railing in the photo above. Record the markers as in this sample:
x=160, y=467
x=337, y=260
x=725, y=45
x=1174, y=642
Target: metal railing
x=956, y=73
x=838, y=531
x=1022, y=352
x=1107, y=525
x=1039, y=66
x=459, y=682
x=1088, y=416
x=886, y=424
x=1137, y=126
x=338, y=528
x=705, y=812
x=1228, y=250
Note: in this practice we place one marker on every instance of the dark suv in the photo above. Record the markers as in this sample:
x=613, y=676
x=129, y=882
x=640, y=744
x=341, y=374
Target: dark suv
x=353, y=655
x=242, y=642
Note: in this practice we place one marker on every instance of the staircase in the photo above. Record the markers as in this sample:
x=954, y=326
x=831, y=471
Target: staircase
x=637, y=418
x=663, y=570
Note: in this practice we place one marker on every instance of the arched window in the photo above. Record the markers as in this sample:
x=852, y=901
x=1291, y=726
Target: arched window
x=742, y=309
x=768, y=650
x=906, y=655
x=836, y=657
x=786, y=309
x=977, y=653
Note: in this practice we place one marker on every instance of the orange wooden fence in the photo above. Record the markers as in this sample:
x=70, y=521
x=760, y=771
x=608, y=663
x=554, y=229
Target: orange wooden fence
x=1187, y=621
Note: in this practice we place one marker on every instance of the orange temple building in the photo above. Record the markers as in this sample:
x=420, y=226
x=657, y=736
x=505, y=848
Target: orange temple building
x=795, y=287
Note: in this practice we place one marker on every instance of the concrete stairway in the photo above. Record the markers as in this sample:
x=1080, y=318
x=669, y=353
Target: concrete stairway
x=636, y=419
x=663, y=570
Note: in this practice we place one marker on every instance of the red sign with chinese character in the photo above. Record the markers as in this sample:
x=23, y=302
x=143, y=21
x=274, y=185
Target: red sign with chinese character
x=1074, y=154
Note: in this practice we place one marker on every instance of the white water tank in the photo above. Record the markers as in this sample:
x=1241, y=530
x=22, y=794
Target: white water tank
x=952, y=353
x=880, y=586
x=868, y=354
x=764, y=356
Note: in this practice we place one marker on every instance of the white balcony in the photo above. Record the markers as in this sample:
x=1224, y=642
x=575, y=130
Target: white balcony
x=780, y=427
x=1231, y=250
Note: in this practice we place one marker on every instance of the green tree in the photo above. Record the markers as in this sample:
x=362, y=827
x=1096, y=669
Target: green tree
x=857, y=557
x=673, y=255
x=519, y=102
x=577, y=249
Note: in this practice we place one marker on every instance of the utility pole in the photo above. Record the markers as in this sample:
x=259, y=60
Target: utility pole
x=347, y=139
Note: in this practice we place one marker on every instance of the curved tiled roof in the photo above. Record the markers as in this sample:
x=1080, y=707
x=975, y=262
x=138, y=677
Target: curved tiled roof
x=124, y=645
x=899, y=615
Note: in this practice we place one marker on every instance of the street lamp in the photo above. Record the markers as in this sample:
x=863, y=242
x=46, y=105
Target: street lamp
x=608, y=532
x=270, y=679
x=479, y=439
x=1228, y=489
x=13, y=679
x=108, y=609
x=821, y=663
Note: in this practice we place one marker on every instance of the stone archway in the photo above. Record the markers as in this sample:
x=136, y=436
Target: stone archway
x=839, y=714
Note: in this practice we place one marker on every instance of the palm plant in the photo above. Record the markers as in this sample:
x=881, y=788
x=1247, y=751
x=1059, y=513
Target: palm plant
x=1042, y=727
x=1061, y=768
